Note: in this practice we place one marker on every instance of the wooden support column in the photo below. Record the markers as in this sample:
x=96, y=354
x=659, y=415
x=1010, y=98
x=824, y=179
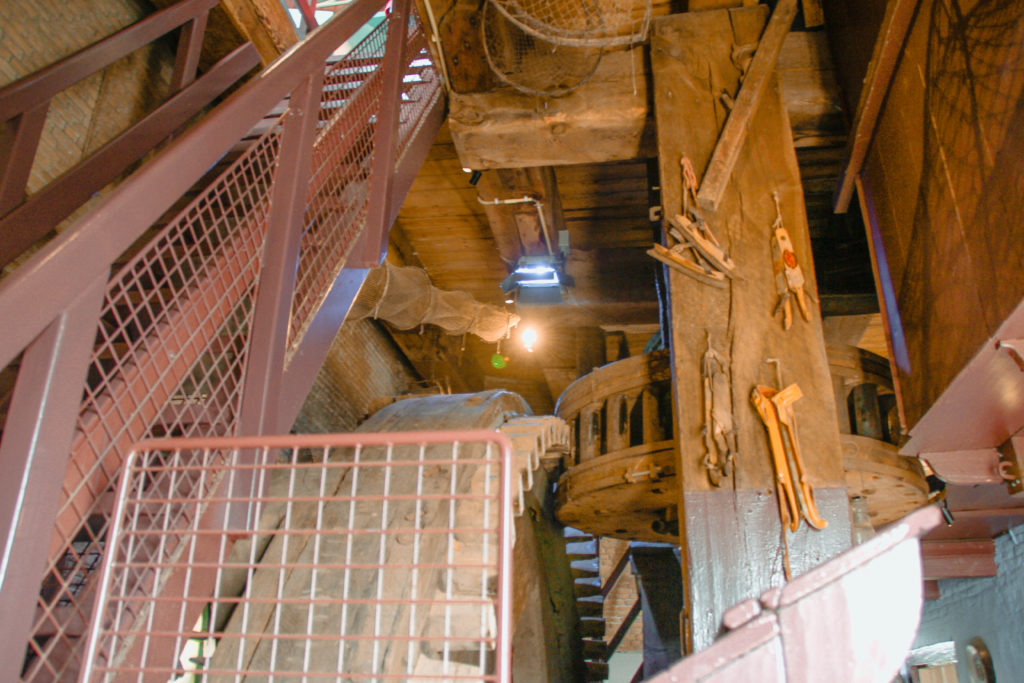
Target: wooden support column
x=732, y=539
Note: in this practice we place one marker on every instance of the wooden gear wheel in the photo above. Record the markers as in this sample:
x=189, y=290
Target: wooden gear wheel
x=630, y=494
x=892, y=484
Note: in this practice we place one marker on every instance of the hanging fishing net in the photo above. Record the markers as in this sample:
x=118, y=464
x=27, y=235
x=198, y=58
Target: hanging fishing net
x=405, y=297
x=530, y=63
x=580, y=23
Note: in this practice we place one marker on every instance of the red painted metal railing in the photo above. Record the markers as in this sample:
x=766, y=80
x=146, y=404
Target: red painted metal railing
x=375, y=556
x=144, y=321
x=24, y=105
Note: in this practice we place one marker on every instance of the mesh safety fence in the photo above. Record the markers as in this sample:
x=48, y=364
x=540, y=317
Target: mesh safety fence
x=172, y=339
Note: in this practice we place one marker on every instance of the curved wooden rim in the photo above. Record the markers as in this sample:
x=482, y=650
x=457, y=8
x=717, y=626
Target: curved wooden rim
x=629, y=374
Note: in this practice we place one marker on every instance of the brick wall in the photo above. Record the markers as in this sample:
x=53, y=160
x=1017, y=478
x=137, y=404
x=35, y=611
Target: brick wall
x=991, y=608
x=363, y=365
x=36, y=34
x=621, y=599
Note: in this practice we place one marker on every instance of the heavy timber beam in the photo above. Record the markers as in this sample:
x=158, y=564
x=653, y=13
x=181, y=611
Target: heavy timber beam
x=522, y=229
x=733, y=543
x=605, y=119
x=895, y=25
x=748, y=100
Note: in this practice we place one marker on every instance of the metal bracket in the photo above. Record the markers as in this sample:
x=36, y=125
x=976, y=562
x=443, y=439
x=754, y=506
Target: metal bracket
x=1013, y=350
x=1010, y=464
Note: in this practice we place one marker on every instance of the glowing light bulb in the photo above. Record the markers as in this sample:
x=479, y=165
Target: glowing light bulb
x=529, y=338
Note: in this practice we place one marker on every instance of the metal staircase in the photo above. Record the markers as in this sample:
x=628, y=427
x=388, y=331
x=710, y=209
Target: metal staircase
x=198, y=299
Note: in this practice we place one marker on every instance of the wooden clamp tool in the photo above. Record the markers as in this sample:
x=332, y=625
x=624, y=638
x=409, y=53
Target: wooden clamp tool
x=783, y=401
x=789, y=277
x=796, y=499
x=789, y=508
x=698, y=252
x=719, y=429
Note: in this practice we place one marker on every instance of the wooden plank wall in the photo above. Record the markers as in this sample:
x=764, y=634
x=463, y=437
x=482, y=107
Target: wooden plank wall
x=732, y=535
x=943, y=177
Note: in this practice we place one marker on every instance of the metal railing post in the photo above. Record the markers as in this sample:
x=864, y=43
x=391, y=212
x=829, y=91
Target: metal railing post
x=33, y=457
x=18, y=142
x=372, y=246
x=285, y=226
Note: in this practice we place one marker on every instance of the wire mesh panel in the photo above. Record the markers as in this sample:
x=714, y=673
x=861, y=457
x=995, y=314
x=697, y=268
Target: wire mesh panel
x=173, y=335
x=169, y=359
x=339, y=189
x=371, y=557
x=420, y=84
x=340, y=184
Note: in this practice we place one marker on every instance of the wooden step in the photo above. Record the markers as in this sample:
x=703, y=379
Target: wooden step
x=574, y=534
x=588, y=562
x=585, y=589
x=591, y=627
x=594, y=648
x=590, y=607
x=574, y=547
x=597, y=670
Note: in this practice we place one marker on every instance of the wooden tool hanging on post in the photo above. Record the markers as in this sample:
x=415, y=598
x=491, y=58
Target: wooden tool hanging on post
x=719, y=430
x=698, y=252
x=789, y=277
x=796, y=498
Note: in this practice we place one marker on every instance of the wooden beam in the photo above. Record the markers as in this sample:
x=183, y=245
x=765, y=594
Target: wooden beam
x=958, y=559
x=731, y=536
x=730, y=142
x=263, y=22
x=519, y=228
x=814, y=15
x=898, y=15
x=605, y=119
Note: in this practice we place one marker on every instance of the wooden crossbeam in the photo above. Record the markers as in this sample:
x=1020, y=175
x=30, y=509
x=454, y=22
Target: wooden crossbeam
x=881, y=68
x=730, y=142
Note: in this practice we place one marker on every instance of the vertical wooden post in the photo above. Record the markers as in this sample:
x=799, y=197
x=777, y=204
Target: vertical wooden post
x=732, y=540
x=33, y=457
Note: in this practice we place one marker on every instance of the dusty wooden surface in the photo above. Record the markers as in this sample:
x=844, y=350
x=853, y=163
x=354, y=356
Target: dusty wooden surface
x=543, y=612
x=747, y=101
x=737, y=552
x=605, y=119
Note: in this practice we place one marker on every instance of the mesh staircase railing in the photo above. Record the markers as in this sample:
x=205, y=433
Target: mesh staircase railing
x=373, y=557
x=164, y=320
